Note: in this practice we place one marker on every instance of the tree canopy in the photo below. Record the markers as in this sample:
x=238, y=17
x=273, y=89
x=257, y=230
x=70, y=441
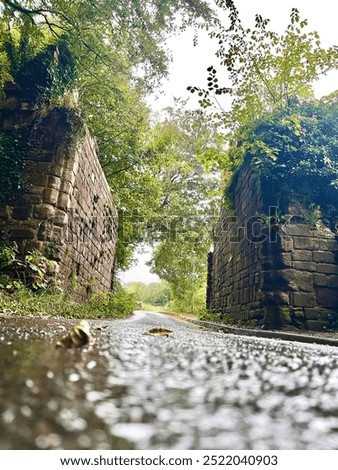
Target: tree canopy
x=133, y=28
x=263, y=71
x=182, y=226
x=113, y=52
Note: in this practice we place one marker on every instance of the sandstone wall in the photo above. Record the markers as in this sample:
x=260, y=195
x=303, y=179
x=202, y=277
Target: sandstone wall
x=270, y=271
x=236, y=272
x=66, y=210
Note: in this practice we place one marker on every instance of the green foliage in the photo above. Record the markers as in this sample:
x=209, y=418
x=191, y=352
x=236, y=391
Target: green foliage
x=155, y=294
x=166, y=188
x=211, y=316
x=296, y=147
x=158, y=293
x=49, y=73
x=13, y=150
x=117, y=304
x=23, y=301
x=41, y=62
x=33, y=270
x=188, y=197
x=265, y=72
x=185, y=271
x=28, y=286
x=297, y=143
x=299, y=140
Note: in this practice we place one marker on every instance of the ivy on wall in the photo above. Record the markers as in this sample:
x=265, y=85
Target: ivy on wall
x=40, y=77
x=301, y=140
x=291, y=146
x=45, y=74
x=13, y=150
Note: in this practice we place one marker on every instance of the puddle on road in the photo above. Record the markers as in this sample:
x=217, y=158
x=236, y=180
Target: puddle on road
x=191, y=390
x=49, y=396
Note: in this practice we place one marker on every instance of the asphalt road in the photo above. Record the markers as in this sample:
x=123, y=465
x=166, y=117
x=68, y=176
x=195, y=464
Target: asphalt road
x=195, y=389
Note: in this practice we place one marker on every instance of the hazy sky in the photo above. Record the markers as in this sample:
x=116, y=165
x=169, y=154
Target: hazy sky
x=190, y=63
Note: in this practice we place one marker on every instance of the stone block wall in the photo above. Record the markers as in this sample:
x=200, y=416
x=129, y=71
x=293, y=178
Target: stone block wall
x=66, y=210
x=270, y=272
x=236, y=275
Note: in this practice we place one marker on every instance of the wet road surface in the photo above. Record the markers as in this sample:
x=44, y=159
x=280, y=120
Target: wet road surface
x=195, y=389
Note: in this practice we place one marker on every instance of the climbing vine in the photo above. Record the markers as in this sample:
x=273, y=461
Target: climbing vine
x=48, y=73
x=296, y=147
x=13, y=150
x=297, y=141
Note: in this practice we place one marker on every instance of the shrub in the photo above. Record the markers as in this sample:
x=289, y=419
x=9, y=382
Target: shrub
x=33, y=270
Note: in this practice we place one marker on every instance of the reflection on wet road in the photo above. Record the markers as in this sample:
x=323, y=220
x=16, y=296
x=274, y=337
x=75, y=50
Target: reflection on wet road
x=192, y=390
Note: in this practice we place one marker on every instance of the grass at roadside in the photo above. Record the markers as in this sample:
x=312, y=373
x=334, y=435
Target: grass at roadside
x=23, y=301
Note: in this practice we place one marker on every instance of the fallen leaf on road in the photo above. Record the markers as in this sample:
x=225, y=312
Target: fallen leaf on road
x=78, y=336
x=158, y=332
x=102, y=327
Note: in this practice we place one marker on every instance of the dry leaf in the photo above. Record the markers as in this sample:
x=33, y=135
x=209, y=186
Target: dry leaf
x=102, y=327
x=77, y=337
x=159, y=331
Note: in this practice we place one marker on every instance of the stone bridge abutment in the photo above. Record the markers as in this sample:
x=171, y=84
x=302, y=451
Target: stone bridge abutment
x=63, y=207
x=275, y=258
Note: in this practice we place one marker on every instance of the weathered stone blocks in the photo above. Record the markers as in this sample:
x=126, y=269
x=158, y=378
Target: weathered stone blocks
x=323, y=257
x=63, y=212
x=327, y=297
x=302, y=255
x=289, y=275
x=302, y=299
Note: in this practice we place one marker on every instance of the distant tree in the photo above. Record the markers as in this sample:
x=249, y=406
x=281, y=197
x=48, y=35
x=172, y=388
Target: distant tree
x=139, y=289
x=156, y=293
x=190, y=194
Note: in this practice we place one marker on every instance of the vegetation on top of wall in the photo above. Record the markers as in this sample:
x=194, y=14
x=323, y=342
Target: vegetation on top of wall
x=43, y=68
x=295, y=150
x=299, y=140
x=296, y=143
x=49, y=73
x=268, y=76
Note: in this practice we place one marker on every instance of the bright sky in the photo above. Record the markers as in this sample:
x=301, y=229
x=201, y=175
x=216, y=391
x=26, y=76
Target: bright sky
x=190, y=63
